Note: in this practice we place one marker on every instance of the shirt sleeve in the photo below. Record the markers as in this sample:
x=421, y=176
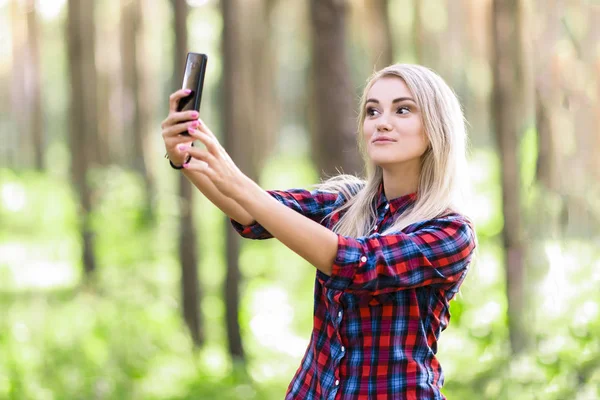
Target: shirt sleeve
x=436, y=253
x=315, y=205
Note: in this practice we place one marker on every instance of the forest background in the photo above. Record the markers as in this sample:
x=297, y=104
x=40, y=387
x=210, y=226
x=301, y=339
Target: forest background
x=120, y=281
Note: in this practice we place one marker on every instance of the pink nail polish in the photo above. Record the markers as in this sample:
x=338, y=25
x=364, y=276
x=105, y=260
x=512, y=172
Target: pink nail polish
x=182, y=147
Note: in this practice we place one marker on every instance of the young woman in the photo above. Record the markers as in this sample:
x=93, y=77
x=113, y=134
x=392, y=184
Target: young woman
x=390, y=251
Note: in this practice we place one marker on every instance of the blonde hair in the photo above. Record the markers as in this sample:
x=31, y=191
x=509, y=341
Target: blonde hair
x=443, y=178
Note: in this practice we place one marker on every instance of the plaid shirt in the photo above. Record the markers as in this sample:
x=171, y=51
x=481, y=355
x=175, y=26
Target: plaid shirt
x=378, y=317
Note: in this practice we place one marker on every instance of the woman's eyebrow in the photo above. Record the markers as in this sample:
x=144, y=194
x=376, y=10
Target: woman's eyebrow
x=395, y=100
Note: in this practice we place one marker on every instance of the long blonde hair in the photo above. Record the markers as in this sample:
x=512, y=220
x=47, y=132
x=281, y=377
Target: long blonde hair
x=443, y=178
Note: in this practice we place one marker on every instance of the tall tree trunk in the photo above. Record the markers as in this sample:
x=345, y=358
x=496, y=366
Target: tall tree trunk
x=260, y=80
x=334, y=142
x=135, y=103
x=83, y=115
x=548, y=95
x=249, y=126
x=584, y=107
x=21, y=139
x=595, y=66
x=33, y=87
x=236, y=90
x=379, y=33
x=454, y=47
x=477, y=102
x=188, y=256
x=509, y=124
x=427, y=35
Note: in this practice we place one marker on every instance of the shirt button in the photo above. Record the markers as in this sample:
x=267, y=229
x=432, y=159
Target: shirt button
x=340, y=314
x=375, y=227
x=337, y=382
x=343, y=349
x=363, y=259
x=387, y=206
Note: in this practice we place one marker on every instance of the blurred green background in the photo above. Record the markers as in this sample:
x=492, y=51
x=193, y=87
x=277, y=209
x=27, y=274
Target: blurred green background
x=97, y=231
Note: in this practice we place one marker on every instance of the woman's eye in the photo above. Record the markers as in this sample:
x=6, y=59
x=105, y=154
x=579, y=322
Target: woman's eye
x=403, y=110
x=371, y=111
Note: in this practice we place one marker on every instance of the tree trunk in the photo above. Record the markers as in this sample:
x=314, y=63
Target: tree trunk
x=136, y=113
x=477, y=102
x=509, y=124
x=83, y=115
x=379, y=33
x=427, y=36
x=236, y=91
x=21, y=140
x=258, y=50
x=454, y=47
x=33, y=87
x=334, y=142
x=187, y=234
x=548, y=95
x=249, y=126
x=595, y=66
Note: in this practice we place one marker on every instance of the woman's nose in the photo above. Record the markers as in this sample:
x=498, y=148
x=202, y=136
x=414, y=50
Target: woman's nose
x=383, y=124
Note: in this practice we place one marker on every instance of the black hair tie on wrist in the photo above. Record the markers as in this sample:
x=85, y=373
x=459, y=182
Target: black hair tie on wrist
x=187, y=160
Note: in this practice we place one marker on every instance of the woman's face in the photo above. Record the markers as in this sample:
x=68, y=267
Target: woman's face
x=393, y=127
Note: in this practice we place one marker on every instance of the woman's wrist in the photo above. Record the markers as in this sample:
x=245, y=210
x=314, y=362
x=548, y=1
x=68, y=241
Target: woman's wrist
x=175, y=166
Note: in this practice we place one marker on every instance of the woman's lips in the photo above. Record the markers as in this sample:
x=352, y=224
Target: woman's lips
x=383, y=141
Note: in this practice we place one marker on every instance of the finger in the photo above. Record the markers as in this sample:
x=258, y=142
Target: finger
x=178, y=129
x=199, y=154
x=211, y=143
x=196, y=165
x=204, y=128
x=175, y=97
x=176, y=117
x=202, y=168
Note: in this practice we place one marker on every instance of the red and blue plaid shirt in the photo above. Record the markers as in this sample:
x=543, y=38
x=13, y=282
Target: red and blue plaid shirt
x=378, y=317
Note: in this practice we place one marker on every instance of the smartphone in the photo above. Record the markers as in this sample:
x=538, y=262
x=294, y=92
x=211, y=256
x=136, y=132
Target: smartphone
x=193, y=79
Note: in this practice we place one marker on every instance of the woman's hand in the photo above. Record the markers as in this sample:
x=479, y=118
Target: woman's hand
x=214, y=162
x=174, y=125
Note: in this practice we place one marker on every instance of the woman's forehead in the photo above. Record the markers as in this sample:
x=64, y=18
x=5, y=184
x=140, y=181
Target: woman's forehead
x=388, y=87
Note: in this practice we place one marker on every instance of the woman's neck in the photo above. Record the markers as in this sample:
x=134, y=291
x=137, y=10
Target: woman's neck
x=401, y=181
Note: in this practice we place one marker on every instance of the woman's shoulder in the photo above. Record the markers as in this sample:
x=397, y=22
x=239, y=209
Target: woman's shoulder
x=344, y=185
x=448, y=219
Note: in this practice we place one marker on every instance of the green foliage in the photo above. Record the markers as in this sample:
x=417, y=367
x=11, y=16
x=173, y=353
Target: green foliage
x=122, y=337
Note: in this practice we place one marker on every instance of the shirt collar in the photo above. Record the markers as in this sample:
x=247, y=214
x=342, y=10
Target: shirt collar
x=397, y=204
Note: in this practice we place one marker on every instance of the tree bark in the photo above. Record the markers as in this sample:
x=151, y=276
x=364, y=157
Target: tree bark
x=426, y=41
x=379, y=33
x=509, y=124
x=136, y=108
x=190, y=291
x=236, y=89
x=548, y=95
x=33, y=87
x=334, y=141
x=249, y=126
x=83, y=115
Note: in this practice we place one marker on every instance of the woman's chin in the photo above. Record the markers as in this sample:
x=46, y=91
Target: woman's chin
x=387, y=162
x=383, y=160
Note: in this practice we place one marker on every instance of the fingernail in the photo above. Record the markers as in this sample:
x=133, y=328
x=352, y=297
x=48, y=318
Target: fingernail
x=186, y=165
x=195, y=123
x=182, y=147
x=188, y=91
x=195, y=114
